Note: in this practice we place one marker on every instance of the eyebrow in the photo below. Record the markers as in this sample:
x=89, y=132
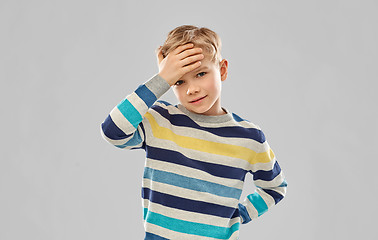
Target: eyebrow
x=201, y=68
x=198, y=69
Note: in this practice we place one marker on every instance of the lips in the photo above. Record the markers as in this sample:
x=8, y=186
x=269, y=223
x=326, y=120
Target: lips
x=197, y=99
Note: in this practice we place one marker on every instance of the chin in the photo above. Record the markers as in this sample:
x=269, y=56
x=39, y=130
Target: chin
x=203, y=111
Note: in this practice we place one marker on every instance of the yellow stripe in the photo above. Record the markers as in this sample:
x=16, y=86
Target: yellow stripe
x=207, y=146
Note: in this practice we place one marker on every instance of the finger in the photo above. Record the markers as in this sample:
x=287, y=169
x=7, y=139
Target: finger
x=192, y=59
x=189, y=52
x=191, y=67
x=181, y=48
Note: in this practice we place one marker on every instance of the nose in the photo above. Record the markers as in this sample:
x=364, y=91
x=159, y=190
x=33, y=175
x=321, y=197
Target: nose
x=192, y=89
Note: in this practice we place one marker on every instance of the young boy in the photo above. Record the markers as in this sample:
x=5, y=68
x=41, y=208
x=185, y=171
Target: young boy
x=197, y=152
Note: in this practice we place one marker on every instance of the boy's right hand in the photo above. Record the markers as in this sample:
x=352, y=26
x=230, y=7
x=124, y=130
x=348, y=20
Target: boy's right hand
x=180, y=61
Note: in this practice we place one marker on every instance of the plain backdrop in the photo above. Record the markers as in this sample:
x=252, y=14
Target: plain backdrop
x=304, y=71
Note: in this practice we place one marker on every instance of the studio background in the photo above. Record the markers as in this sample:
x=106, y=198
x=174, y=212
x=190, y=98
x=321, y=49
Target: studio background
x=304, y=71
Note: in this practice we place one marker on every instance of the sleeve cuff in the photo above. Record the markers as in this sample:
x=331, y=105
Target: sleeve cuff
x=157, y=85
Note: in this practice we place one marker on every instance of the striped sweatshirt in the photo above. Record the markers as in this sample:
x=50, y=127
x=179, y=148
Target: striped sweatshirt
x=195, y=165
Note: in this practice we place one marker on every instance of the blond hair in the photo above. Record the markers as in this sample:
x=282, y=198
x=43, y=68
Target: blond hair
x=202, y=37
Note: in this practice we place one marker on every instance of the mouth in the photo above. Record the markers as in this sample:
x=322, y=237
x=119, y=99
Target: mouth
x=198, y=99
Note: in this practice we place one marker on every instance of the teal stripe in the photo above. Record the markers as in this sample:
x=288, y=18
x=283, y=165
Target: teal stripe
x=187, y=227
x=130, y=112
x=191, y=183
x=258, y=202
x=283, y=184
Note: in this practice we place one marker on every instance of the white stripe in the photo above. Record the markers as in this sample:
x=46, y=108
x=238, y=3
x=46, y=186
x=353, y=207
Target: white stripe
x=270, y=184
x=121, y=122
x=252, y=211
x=138, y=103
x=263, y=166
x=235, y=235
x=280, y=190
x=264, y=147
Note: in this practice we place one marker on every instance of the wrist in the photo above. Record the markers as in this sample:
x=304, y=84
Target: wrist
x=170, y=81
x=157, y=85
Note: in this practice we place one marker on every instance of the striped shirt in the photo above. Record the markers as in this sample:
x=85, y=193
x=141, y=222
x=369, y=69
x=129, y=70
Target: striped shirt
x=195, y=165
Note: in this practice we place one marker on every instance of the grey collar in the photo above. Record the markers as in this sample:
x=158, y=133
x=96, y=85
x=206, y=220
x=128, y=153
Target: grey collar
x=205, y=118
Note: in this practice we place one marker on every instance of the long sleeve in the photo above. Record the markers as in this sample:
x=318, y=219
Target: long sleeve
x=123, y=127
x=270, y=184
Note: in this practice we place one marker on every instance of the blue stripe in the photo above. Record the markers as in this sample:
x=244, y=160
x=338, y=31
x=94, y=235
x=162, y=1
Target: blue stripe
x=165, y=103
x=267, y=175
x=275, y=195
x=244, y=214
x=238, y=118
x=130, y=112
x=258, y=202
x=151, y=236
x=189, y=205
x=180, y=159
x=191, y=183
x=146, y=95
x=234, y=131
x=187, y=227
x=110, y=129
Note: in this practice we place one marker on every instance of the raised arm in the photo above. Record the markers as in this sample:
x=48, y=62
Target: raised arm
x=123, y=126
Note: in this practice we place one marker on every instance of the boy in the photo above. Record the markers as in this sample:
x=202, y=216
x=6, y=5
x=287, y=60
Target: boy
x=197, y=152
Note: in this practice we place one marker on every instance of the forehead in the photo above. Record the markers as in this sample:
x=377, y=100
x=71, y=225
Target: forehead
x=206, y=63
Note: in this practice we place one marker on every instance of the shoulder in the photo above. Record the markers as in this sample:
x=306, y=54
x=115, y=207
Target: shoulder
x=250, y=127
x=163, y=108
x=244, y=122
x=162, y=102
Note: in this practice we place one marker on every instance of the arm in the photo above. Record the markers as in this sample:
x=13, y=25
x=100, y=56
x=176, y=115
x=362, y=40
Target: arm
x=270, y=184
x=124, y=125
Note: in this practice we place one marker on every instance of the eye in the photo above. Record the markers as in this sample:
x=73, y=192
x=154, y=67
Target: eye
x=201, y=73
x=178, y=82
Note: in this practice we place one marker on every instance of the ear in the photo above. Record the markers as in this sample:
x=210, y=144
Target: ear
x=223, y=66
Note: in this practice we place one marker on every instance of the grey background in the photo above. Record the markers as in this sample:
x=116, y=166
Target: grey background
x=305, y=71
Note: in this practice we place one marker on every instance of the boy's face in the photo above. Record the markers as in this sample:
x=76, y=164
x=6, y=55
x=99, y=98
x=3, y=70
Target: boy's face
x=203, y=82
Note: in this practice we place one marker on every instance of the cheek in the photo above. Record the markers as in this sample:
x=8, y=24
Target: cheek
x=179, y=93
x=212, y=85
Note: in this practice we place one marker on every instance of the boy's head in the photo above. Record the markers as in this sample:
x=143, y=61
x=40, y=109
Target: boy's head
x=202, y=37
x=205, y=81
